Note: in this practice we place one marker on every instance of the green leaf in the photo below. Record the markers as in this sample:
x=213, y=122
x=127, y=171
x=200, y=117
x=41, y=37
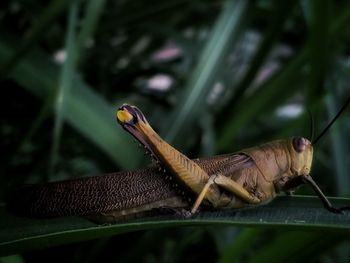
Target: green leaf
x=275, y=29
x=297, y=213
x=319, y=46
x=272, y=93
x=65, y=85
x=89, y=113
x=276, y=90
x=339, y=149
x=35, y=33
x=93, y=12
x=193, y=98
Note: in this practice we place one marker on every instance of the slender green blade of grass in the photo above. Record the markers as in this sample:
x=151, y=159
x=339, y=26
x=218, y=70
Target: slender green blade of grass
x=64, y=86
x=283, y=11
x=88, y=112
x=341, y=22
x=93, y=12
x=318, y=47
x=198, y=86
x=339, y=149
x=34, y=34
x=297, y=213
x=273, y=93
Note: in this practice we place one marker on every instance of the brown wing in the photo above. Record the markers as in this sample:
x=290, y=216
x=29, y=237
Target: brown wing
x=115, y=191
x=226, y=164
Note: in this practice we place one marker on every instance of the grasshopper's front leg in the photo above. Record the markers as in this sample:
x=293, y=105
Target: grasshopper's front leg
x=185, y=170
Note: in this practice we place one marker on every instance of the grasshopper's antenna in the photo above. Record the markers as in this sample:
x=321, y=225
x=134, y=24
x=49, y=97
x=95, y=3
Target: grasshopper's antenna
x=331, y=122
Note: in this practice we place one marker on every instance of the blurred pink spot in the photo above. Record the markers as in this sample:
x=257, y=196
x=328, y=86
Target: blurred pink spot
x=166, y=54
x=160, y=82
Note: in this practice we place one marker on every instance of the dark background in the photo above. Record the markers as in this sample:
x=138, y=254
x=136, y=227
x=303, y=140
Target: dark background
x=211, y=76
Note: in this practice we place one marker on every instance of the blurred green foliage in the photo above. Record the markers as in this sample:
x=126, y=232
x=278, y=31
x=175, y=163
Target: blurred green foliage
x=212, y=77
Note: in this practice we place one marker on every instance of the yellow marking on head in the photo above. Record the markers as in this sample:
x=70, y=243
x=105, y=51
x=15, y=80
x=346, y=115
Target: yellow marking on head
x=123, y=116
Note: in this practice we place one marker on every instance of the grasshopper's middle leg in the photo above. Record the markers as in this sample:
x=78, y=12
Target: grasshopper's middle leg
x=187, y=171
x=229, y=185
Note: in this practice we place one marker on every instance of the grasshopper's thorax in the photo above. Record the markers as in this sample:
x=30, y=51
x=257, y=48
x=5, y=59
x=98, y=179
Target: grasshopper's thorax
x=280, y=158
x=271, y=159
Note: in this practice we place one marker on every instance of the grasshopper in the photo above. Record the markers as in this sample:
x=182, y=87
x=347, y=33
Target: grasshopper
x=249, y=177
x=254, y=175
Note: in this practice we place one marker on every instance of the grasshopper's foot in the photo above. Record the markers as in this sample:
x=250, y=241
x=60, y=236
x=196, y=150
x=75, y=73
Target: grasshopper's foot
x=182, y=213
x=134, y=122
x=338, y=210
x=289, y=193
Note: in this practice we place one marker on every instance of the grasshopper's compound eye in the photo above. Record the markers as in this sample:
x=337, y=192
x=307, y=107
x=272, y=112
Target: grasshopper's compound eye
x=300, y=144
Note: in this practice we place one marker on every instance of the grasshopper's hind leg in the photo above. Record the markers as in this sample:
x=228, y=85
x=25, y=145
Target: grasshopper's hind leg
x=187, y=171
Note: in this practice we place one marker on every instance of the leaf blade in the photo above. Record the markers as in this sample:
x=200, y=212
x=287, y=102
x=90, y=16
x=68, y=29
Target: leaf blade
x=297, y=213
x=39, y=76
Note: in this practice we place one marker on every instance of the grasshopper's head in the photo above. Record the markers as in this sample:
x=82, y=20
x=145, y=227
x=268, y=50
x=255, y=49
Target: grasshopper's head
x=301, y=153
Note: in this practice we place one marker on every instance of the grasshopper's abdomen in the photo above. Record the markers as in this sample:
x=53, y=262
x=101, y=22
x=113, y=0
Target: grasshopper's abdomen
x=92, y=195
